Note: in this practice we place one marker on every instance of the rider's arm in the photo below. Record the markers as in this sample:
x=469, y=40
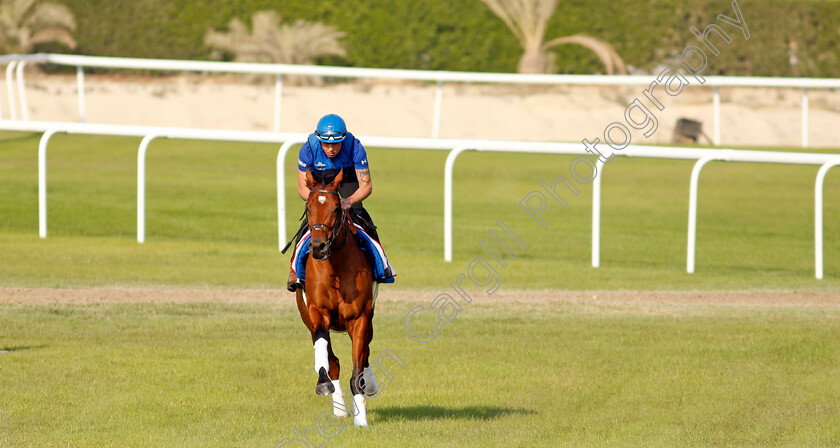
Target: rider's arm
x=305, y=160
x=364, y=190
x=303, y=190
x=360, y=163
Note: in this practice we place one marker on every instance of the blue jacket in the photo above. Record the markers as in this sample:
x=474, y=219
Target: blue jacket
x=352, y=155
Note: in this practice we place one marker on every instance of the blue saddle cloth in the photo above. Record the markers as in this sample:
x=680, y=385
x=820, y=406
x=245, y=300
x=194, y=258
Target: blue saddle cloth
x=373, y=251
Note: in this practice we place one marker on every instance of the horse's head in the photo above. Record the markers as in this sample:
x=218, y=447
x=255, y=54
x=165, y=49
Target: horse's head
x=324, y=214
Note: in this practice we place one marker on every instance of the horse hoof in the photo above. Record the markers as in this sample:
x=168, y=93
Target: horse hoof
x=324, y=388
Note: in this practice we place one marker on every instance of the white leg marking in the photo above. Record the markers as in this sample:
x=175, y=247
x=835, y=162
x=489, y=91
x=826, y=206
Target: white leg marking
x=321, y=357
x=339, y=408
x=360, y=419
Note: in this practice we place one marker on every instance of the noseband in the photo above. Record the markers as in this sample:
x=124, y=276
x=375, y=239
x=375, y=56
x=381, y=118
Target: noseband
x=321, y=226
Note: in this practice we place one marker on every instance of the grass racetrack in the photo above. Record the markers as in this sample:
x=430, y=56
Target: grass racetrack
x=190, y=339
x=521, y=369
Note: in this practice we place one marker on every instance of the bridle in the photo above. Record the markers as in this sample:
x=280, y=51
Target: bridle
x=337, y=230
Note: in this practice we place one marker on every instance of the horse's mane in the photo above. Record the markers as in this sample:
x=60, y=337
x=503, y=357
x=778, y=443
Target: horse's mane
x=325, y=177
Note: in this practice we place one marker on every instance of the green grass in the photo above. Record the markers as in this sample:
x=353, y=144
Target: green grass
x=558, y=374
x=502, y=374
x=211, y=219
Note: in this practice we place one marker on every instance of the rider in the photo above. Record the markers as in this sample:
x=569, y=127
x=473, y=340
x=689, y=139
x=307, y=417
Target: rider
x=328, y=150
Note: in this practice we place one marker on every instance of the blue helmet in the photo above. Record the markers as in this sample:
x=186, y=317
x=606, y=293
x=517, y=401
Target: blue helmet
x=331, y=129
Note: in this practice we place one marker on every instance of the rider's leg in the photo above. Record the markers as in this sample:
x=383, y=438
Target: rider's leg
x=362, y=218
x=357, y=211
x=293, y=283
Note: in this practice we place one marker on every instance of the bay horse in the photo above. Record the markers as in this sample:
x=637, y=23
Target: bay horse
x=338, y=295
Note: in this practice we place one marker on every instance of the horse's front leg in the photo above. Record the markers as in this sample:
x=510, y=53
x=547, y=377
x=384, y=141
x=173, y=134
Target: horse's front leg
x=359, y=335
x=321, y=344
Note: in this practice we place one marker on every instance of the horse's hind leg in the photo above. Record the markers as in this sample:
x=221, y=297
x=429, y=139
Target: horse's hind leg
x=321, y=342
x=339, y=408
x=371, y=386
x=359, y=335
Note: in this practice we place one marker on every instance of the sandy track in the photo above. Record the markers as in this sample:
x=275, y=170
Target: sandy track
x=42, y=296
x=749, y=116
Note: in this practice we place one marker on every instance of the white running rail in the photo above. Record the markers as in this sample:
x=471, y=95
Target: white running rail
x=455, y=148
x=81, y=62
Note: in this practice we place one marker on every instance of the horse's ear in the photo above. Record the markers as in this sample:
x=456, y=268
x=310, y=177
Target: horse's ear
x=310, y=180
x=336, y=182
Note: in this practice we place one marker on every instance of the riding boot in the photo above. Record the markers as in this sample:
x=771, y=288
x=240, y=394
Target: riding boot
x=293, y=282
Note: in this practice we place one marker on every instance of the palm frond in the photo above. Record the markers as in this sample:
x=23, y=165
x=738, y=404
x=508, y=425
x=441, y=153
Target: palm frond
x=528, y=21
x=300, y=42
x=606, y=53
x=51, y=15
x=24, y=23
x=53, y=35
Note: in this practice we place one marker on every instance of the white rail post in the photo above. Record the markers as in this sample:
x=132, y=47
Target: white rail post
x=24, y=112
x=447, y=201
x=80, y=88
x=278, y=100
x=436, y=118
x=804, y=118
x=10, y=89
x=281, y=191
x=141, y=186
x=42, y=182
x=716, y=103
x=596, y=214
x=818, y=217
x=692, y=210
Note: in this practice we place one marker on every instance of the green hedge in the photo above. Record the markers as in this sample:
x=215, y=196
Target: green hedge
x=465, y=35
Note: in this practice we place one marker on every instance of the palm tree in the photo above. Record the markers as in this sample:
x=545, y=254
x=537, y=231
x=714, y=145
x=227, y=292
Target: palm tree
x=528, y=20
x=301, y=42
x=23, y=24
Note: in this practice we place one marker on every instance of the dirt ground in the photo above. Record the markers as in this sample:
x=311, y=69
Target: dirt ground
x=45, y=296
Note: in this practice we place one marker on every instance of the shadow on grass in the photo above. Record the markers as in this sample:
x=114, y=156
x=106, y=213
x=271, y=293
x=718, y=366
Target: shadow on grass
x=441, y=413
x=18, y=348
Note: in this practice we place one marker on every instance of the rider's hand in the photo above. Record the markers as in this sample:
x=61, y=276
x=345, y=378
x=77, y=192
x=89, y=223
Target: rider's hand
x=345, y=203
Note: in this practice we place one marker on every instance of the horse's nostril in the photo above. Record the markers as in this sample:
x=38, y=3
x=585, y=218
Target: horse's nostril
x=318, y=247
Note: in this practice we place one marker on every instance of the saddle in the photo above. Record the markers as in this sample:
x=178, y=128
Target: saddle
x=380, y=268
